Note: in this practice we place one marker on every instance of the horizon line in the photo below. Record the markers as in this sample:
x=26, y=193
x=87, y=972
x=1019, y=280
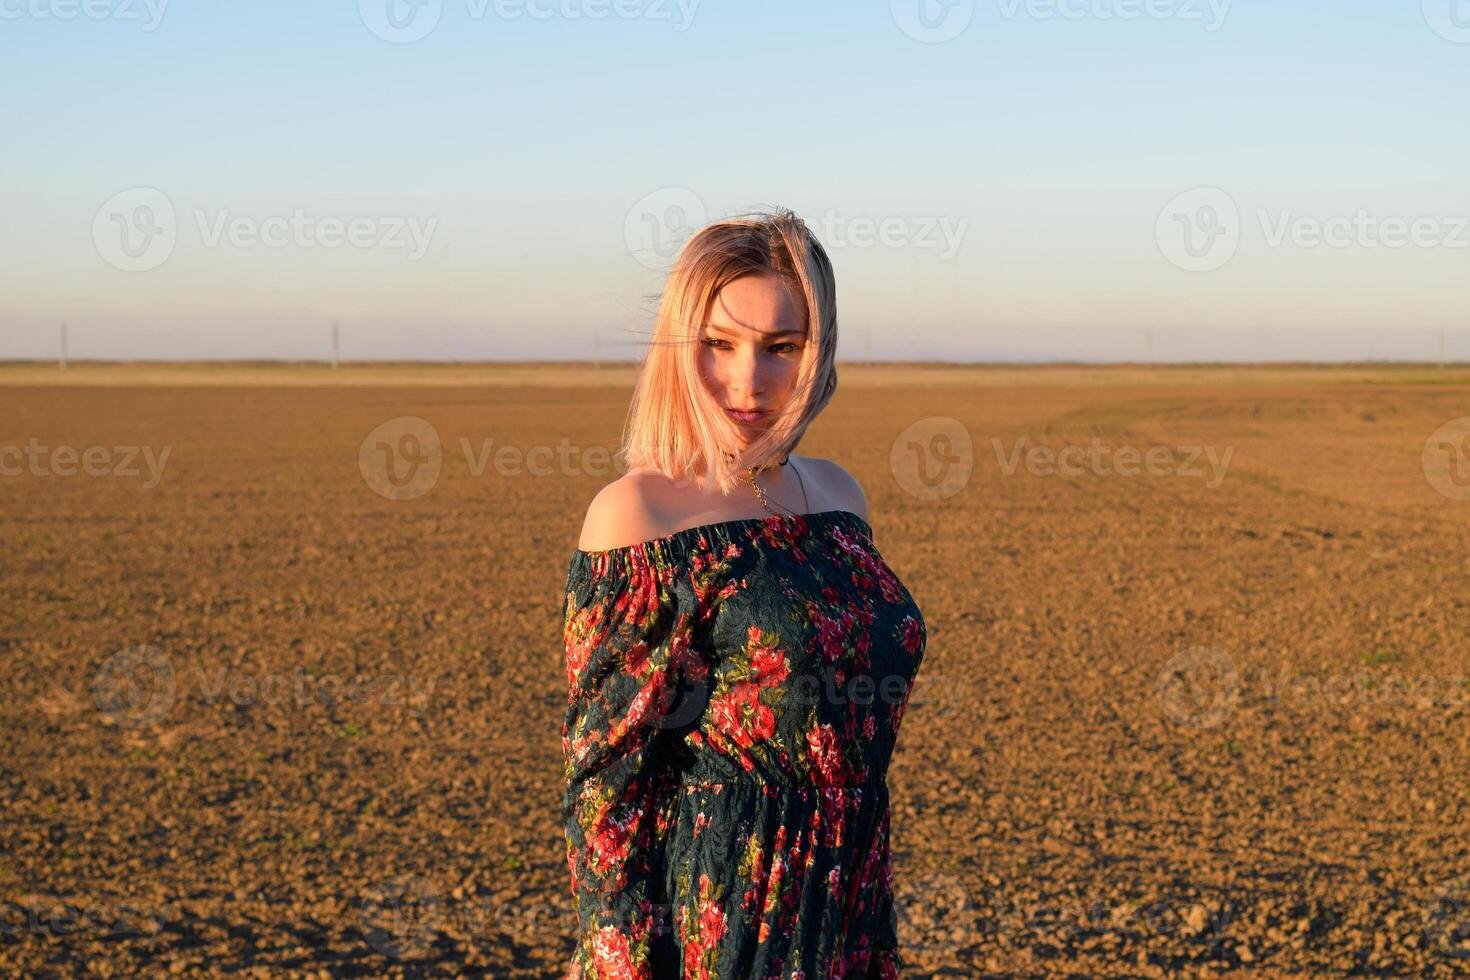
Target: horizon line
x=590, y=362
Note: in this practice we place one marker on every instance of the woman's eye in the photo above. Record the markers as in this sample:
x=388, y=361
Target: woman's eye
x=784, y=347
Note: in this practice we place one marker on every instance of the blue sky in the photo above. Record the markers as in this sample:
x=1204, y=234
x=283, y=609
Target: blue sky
x=1034, y=173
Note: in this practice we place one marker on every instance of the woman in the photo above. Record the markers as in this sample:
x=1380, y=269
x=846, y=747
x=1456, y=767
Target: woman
x=738, y=653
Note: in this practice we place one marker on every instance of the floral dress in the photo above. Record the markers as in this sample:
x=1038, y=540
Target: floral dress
x=735, y=691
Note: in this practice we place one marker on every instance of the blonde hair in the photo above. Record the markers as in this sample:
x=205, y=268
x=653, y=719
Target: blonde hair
x=674, y=425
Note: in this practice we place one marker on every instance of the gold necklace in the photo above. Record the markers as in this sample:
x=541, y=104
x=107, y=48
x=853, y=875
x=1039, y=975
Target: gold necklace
x=760, y=493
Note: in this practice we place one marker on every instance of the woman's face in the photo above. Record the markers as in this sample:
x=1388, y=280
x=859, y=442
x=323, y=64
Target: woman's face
x=750, y=350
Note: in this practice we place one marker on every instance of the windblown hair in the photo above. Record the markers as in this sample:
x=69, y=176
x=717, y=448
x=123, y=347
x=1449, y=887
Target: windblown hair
x=674, y=425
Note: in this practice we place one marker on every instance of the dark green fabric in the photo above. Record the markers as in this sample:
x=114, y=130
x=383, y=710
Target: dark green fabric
x=735, y=691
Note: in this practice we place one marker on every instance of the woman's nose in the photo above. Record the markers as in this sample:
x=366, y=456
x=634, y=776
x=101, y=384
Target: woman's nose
x=746, y=376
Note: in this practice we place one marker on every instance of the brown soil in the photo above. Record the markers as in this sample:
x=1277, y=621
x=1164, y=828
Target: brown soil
x=1163, y=727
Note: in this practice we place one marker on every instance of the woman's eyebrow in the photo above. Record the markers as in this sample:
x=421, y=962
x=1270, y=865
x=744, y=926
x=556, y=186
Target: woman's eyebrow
x=771, y=335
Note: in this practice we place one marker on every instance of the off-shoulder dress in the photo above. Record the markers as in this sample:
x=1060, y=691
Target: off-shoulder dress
x=735, y=692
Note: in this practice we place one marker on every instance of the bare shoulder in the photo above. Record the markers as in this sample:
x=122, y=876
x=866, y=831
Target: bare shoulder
x=623, y=513
x=838, y=486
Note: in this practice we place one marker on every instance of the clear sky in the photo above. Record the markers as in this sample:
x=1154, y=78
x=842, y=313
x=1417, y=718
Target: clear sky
x=498, y=179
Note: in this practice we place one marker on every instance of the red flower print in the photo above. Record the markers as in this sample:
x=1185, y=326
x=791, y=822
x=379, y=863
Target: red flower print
x=739, y=714
x=727, y=619
x=610, y=955
x=711, y=923
x=702, y=935
x=782, y=532
x=582, y=637
x=913, y=635
x=608, y=839
x=849, y=545
x=637, y=658
x=767, y=662
x=769, y=667
x=833, y=815
x=649, y=703
x=684, y=658
x=825, y=756
x=829, y=636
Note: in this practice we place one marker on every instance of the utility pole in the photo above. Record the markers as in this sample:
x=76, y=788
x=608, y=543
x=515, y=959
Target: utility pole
x=1441, y=348
x=336, y=338
x=596, y=349
x=1149, y=334
x=62, y=338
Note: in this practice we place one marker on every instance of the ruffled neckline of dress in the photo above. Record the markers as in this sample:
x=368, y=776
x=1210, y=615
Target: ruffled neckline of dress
x=684, y=538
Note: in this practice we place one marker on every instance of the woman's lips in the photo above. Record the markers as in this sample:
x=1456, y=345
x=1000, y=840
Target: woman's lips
x=746, y=417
